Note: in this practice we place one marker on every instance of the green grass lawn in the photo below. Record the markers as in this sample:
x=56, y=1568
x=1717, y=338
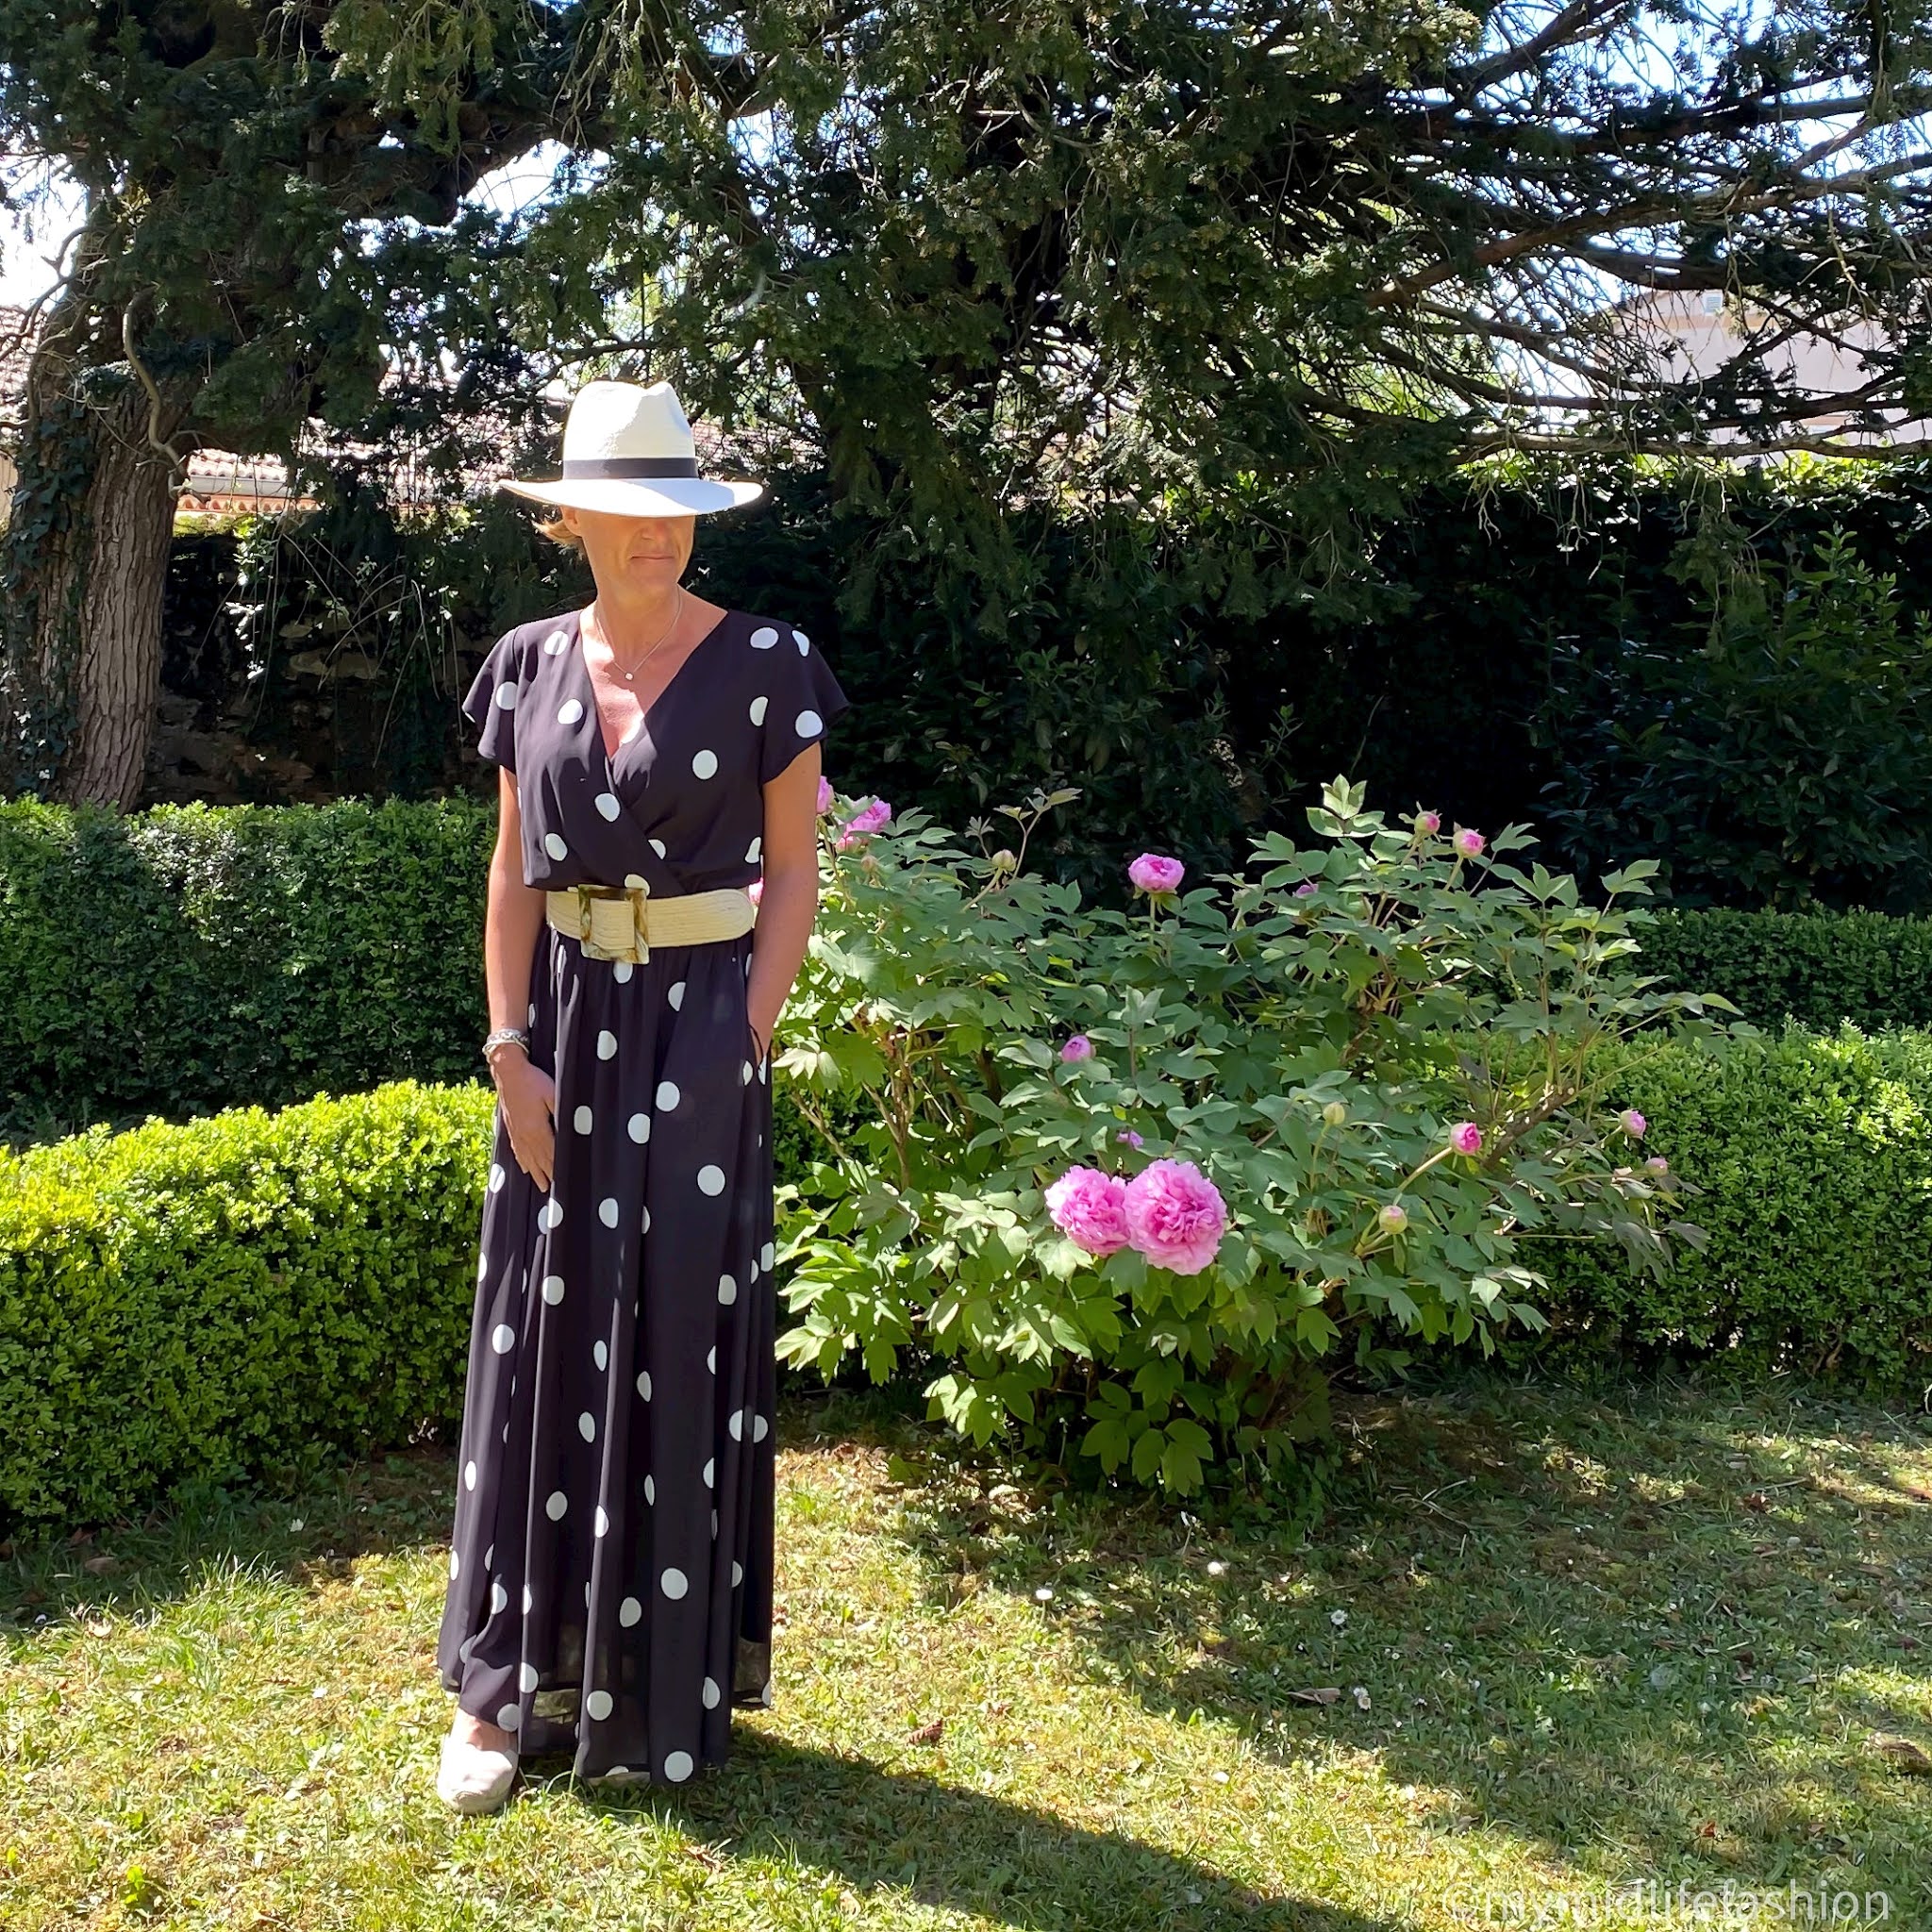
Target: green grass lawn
x=1580, y=1644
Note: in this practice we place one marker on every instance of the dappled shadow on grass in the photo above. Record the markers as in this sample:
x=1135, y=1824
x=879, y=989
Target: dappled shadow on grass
x=389, y=1506
x=1612, y=1620
x=947, y=1848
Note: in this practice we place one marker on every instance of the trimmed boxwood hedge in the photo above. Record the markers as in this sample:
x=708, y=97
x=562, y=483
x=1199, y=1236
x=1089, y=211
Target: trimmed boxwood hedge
x=1814, y=1157
x=223, y=1299
x=1816, y=968
x=192, y=957
x=235, y=1296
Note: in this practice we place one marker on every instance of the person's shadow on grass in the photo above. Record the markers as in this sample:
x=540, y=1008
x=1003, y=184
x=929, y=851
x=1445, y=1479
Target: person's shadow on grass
x=951, y=1850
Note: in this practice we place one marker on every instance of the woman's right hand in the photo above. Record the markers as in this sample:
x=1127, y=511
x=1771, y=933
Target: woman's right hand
x=527, y=1097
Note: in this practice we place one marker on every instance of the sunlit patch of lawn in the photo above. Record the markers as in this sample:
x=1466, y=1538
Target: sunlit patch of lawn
x=1573, y=1644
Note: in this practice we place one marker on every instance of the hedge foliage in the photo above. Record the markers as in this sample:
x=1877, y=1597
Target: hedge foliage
x=1819, y=969
x=232, y=1297
x=190, y=958
x=1606, y=652
x=1814, y=1155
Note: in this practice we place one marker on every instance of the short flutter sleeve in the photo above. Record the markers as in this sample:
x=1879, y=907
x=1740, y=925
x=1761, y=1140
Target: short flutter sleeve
x=491, y=703
x=802, y=699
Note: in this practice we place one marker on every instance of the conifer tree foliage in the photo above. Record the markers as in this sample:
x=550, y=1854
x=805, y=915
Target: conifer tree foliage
x=1268, y=263
x=255, y=224
x=1224, y=274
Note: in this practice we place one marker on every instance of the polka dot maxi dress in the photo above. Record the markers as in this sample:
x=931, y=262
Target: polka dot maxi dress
x=611, y=1569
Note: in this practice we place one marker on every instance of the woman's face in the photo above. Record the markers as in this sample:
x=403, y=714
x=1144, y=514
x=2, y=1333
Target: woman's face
x=633, y=557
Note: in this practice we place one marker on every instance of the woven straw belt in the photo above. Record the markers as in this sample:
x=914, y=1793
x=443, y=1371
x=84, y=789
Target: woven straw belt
x=625, y=922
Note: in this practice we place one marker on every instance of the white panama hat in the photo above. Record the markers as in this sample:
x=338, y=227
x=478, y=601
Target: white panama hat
x=627, y=449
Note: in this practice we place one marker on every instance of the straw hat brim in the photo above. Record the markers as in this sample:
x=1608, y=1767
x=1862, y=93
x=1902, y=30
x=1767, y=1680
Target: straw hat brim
x=624, y=496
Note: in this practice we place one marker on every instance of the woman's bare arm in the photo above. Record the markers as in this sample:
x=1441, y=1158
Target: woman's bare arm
x=789, y=901
x=526, y=1094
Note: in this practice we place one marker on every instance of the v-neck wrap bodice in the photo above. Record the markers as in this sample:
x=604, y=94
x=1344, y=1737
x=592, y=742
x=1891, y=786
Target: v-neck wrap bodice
x=679, y=806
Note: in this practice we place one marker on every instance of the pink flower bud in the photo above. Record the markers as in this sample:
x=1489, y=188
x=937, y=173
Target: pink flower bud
x=1128, y=1135
x=826, y=795
x=1657, y=1164
x=1632, y=1123
x=1394, y=1217
x=1307, y=889
x=1466, y=1138
x=1428, y=822
x=1078, y=1048
x=1150, y=872
x=1469, y=843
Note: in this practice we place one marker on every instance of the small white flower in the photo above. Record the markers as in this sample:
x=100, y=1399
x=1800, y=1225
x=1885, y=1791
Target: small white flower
x=1217, y=1568
x=1337, y=1618
x=1045, y=1593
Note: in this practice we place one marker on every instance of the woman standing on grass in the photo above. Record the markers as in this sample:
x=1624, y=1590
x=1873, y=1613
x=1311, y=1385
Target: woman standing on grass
x=611, y=1572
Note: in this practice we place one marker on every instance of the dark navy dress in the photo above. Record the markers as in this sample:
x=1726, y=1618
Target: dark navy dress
x=611, y=1568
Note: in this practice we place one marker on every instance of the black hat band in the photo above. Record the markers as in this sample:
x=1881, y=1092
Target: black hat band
x=577, y=467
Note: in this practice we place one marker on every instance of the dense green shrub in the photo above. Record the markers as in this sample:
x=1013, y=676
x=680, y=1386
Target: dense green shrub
x=1813, y=1158
x=1816, y=968
x=1472, y=643
x=1773, y=750
x=235, y=1295
x=187, y=958
x=190, y=957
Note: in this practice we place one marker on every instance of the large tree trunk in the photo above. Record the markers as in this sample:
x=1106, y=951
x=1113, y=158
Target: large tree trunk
x=83, y=563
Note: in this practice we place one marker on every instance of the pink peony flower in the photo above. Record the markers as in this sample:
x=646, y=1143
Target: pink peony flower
x=826, y=795
x=1469, y=843
x=1428, y=822
x=757, y=889
x=1128, y=1135
x=872, y=818
x=1466, y=1138
x=1152, y=874
x=1078, y=1048
x=1657, y=1164
x=1175, y=1216
x=1394, y=1217
x=1632, y=1123
x=1090, y=1209
x=842, y=841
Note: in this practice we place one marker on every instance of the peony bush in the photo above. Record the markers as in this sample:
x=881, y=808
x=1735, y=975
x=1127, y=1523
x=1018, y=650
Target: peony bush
x=1136, y=1183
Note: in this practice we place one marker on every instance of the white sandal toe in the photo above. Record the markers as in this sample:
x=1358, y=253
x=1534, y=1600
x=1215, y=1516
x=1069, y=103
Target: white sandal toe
x=472, y=1779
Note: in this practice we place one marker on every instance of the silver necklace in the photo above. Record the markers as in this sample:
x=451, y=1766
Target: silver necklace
x=676, y=612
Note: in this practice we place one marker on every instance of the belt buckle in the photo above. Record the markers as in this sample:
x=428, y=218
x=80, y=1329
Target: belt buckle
x=583, y=892
x=640, y=945
x=636, y=951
